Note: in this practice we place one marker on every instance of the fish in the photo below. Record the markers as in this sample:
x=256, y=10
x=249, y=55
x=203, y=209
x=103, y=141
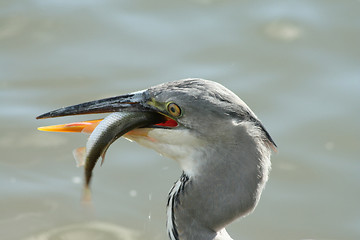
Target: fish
x=105, y=133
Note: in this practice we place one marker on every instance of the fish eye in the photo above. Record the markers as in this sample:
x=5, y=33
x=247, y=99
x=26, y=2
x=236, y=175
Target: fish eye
x=174, y=109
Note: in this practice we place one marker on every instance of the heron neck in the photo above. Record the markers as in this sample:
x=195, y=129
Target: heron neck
x=226, y=187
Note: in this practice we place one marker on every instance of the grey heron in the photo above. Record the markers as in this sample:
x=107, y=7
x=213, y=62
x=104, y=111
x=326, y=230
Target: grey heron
x=221, y=146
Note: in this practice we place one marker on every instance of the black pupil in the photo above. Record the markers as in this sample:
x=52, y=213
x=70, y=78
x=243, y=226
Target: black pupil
x=173, y=109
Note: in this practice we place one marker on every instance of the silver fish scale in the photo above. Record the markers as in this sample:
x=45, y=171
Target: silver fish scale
x=111, y=128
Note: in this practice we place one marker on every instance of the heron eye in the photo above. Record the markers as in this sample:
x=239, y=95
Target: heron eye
x=174, y=109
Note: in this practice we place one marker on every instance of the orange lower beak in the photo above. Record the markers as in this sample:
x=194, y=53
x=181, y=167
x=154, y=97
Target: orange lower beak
x=83, y=127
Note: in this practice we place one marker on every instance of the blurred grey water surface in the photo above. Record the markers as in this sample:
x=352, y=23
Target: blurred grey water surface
x=295, y=63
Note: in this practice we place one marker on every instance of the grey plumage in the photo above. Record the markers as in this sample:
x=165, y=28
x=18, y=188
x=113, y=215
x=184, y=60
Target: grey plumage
x=230, y=165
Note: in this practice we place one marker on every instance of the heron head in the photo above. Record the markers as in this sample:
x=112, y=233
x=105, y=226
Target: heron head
x=207, y=116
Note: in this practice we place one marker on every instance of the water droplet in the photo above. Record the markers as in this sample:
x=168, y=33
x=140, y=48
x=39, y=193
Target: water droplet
x=133, y=193
x=76, y=180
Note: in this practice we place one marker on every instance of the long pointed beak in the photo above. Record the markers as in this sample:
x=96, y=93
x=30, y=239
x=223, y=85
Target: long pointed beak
x=131, y=102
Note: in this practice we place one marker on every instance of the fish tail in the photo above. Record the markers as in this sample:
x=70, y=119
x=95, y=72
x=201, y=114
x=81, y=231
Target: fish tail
x=79, y=155
x=86, y=198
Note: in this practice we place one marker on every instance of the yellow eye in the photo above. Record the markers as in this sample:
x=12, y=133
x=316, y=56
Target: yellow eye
x=174, y=109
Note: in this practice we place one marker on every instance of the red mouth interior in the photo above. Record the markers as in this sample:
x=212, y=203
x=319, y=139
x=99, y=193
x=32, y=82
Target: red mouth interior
x=168, y=123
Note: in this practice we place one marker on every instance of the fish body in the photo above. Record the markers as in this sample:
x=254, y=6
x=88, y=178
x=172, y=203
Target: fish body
x=106, y=132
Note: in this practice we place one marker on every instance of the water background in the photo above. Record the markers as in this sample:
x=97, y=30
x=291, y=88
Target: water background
x=295, y=63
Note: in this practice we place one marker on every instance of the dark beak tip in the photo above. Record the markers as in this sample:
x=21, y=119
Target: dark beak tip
x=43, y=116
x=40, y=116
